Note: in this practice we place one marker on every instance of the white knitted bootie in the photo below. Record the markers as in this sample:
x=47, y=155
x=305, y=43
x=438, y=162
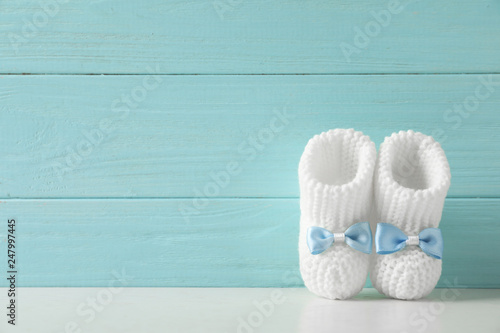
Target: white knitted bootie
x=335, y=176
x=411, y=180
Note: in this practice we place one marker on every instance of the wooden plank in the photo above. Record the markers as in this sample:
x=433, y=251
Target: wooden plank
x=231, y=243
x=251, y=36
x=177, y=135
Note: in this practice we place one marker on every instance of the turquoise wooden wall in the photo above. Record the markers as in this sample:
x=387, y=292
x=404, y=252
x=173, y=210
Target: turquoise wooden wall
x=161, y=138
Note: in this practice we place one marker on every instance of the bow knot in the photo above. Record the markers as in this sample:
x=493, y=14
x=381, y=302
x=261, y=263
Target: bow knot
x=339, y=237
x=390, y=239
x=358, y=236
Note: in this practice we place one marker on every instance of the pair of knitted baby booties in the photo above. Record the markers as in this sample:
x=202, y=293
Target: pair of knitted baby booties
x=343, y=184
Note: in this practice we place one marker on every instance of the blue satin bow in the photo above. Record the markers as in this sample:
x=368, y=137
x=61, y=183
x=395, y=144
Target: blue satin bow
x=358, y=236
x=390, y=239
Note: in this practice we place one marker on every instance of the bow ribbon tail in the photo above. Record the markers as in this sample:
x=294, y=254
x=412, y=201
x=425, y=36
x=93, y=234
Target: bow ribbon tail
x=389, y=239
x=318, y=239
x=359, y=237
x=431, y=242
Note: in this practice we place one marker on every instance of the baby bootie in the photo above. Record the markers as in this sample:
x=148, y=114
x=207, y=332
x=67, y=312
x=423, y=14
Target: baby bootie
x=411, y=180
x=335, y=177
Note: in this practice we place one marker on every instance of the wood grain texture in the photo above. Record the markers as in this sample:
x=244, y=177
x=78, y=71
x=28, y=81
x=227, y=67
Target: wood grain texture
x=234, y=242
x=251, y=36
x=172, y=140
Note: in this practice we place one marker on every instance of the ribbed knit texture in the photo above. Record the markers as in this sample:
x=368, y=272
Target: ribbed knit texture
x=335, y=176
x=411, y=180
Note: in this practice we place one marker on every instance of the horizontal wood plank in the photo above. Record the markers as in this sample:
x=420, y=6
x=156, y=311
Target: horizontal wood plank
x=227, y=136
x=231, y=243
x=249, y=37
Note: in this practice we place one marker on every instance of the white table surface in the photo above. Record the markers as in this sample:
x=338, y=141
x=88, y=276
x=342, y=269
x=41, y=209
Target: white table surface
x=58, y=310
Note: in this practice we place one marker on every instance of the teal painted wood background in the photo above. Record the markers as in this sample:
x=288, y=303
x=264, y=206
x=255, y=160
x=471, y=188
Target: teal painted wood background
x=179, y=165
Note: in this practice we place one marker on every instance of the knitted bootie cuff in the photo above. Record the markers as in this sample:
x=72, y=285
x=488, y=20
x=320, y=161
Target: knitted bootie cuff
x=335, y=175
x=411, y=181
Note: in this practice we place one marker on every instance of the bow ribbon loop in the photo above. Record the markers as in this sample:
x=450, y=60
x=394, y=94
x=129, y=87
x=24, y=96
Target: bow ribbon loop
x=390, y=239
x=358, y=236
